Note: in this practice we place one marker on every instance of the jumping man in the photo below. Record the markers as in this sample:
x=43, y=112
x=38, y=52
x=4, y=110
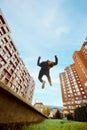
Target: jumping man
x=45, y=67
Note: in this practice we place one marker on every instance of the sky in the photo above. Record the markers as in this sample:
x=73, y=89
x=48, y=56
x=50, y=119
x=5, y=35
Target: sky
x=46, y=28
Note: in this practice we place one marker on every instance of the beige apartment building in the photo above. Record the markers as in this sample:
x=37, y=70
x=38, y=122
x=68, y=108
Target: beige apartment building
x=13, y=72
x=73, y=81
x=39, y=106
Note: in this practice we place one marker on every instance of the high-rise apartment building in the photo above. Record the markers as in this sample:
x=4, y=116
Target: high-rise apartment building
x=13, y=72
x=80, y=59
x=73, y=81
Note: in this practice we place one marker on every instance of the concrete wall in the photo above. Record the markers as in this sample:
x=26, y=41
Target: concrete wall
x=14, y=109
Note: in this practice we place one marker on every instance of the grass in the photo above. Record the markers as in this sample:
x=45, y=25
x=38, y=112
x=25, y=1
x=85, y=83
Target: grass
x=54, y=124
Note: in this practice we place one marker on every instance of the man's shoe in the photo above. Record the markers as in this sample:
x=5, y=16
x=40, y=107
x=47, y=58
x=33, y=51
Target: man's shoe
x=51, y=84
x=43, y=84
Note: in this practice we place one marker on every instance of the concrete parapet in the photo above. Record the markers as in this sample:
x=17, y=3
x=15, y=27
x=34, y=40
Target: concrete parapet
x=15, y=109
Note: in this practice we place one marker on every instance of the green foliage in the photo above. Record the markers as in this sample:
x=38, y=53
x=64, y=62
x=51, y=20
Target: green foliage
x=69, y=116
x=55, y=124
x=81, y=113
x=46, y=111
x=57, y=115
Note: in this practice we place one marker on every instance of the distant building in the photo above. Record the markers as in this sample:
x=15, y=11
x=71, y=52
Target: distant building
x=39, y=106
x=54, y=109
x=13, y=72
x=53, y=112
x=73, y=81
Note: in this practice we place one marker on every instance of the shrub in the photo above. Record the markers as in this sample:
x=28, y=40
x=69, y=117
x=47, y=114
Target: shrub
x=69, y=116
x=57, y=115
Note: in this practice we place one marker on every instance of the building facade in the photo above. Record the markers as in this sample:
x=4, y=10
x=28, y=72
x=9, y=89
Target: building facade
x=39, y=106
x=73, y=81
x=13, y=72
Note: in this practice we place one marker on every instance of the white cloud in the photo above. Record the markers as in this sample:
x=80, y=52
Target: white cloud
x=48, y=18
x=62, y=30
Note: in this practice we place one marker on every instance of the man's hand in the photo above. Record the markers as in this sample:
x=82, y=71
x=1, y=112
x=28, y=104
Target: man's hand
x=55, y=55
x=56, y=60
x=38, y=61
x=39, y=57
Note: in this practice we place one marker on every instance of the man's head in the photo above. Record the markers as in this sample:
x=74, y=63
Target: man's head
x=50, y=63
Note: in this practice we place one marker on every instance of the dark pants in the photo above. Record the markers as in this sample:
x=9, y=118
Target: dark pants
x=41, y=74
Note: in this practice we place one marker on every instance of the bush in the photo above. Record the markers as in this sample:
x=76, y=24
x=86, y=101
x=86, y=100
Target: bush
x=57, y=115
x=69, y=116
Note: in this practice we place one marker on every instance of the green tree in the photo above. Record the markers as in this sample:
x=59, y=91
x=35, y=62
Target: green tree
x=77, y=114
x=46, y=111
x=57, y=115
x=69, y=116
x=80, y=113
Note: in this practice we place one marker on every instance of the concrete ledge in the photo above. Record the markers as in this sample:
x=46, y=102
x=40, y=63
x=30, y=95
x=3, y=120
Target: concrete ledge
x=14, y=109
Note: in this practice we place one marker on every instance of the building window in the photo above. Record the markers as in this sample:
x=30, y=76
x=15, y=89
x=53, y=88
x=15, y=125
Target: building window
x=81, y=88
x=1, y=22
x=83, y=92
x=1, y=42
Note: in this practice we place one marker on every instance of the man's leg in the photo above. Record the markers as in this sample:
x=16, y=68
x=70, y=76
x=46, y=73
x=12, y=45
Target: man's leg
x=40, y=77
x=49, y=79
x=41, y=80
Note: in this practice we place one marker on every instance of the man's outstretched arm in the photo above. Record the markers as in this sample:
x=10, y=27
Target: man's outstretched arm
x=38, y=61
x=56, y=60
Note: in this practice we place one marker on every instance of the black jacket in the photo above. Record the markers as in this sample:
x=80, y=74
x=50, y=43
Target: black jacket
x=45, y=66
